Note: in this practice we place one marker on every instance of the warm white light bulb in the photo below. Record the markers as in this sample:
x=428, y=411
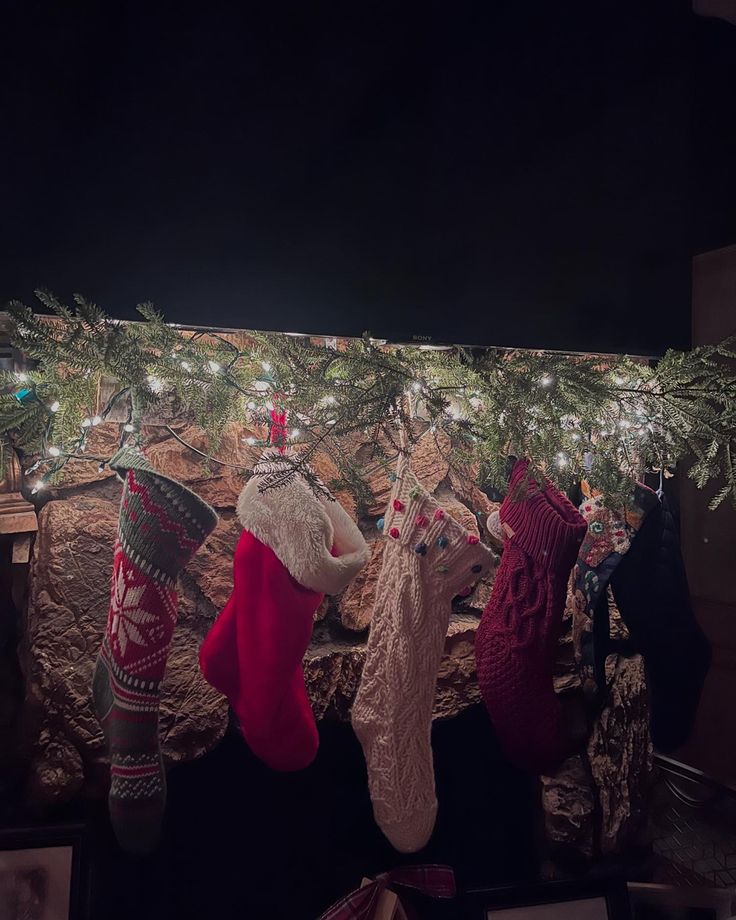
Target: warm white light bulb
x=266, y=366
x=155, y=384
x=38, y=486
x=55, y=406
x=618, y=379
x=547, y=380
x=295, y=433
x=128, y=427
x=416, y=387
x=214, y=367
x=21, y=377
x=186, y=365
x=96, y=420
x=330, y=400
x=86, y=423
x=251, y=405
x=575, y=436
x=250, y=441
x=54, y=451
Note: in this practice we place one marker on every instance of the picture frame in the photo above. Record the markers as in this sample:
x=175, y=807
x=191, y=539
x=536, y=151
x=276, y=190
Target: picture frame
x=43, y=873
x=590, y=899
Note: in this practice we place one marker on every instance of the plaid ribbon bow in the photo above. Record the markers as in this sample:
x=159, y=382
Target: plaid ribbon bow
x=435, y=881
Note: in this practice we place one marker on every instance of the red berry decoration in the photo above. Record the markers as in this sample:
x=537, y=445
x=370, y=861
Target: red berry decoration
x=421, y=521
x=394, y=532
x=398, y=505
x=439, y=514
x=472, y=539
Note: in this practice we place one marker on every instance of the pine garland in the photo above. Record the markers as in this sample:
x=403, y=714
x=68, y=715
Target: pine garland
x=607, y=419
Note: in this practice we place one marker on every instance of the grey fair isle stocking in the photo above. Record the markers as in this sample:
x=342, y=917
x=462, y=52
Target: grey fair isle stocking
x=161, y=526
x=429, y=559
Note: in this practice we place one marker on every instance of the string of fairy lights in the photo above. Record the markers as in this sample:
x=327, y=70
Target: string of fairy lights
x=606, y=418
x=259, y=402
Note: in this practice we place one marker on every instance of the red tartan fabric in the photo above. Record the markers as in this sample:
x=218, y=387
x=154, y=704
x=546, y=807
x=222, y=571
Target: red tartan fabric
x=432, y=880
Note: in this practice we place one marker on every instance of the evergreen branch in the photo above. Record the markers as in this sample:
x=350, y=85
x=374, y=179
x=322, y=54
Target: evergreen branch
x=559, y=410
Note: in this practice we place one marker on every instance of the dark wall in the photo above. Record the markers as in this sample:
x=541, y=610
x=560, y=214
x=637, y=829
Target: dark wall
x=713, y=137
x=497, y=173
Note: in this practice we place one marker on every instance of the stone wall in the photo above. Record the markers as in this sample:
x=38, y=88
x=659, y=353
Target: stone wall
x=595, y=804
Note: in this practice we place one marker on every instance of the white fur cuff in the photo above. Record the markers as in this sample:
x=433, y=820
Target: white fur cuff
x=302, y=528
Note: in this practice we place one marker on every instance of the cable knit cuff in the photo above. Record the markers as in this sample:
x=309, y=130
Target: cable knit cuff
x=541, y=520
x=454, y=558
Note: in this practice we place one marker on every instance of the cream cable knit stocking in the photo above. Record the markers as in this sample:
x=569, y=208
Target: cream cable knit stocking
x=429, y=559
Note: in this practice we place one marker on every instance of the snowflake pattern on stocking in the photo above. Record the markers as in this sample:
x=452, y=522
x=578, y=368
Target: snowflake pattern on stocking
x=135, y=619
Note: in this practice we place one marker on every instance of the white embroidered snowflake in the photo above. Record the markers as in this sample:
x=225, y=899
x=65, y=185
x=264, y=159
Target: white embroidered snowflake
x=129, y=620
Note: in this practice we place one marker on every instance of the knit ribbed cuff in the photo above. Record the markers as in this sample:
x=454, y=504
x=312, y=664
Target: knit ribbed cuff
x=541, y=520
x=162, y=523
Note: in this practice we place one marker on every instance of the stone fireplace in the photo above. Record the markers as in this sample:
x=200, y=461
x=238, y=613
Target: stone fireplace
x=592, y=807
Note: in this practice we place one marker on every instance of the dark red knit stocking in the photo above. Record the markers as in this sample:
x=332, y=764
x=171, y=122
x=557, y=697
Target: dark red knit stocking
x=517, y=638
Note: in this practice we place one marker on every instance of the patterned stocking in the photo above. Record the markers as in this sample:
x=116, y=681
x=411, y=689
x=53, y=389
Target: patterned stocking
x=161, y=526
x=428, y=560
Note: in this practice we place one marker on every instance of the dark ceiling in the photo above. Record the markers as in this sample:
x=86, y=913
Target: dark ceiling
x=500, y=173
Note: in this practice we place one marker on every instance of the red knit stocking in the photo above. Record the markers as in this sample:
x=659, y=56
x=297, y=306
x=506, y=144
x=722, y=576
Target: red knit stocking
x=253, y=655
x=298, y=545
x=517, y=636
